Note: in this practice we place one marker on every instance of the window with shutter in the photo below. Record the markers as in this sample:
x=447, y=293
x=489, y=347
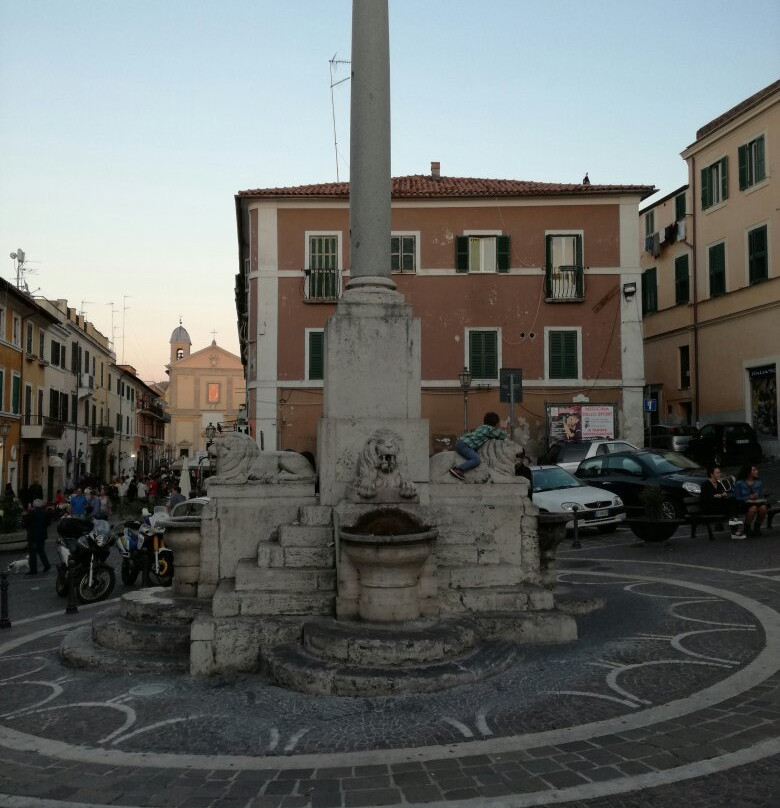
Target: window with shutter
x=316, y=362
x=649, y=291
x=679, y=207
x=715, y=183
x=16, y=394
x=717, y=269
x=403, y=253
x=684, y=361
x=681, y=280
x=758, y=256
x=752, y=166
x=483, y=354
x=562, y=352
x=482, y=254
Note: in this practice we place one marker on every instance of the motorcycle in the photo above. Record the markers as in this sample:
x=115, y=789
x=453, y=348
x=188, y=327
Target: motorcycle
x=83, y=547
x=143, y=547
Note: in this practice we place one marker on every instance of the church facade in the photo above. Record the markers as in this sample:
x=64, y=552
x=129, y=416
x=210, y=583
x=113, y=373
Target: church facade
x=205, y=387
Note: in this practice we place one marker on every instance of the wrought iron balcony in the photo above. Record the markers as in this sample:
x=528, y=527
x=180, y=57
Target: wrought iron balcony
x=41, y=427
x=564, y=284
x=321, y=285
x=106, y=432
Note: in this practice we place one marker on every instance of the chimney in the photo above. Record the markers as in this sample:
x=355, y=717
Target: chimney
x=435, y=169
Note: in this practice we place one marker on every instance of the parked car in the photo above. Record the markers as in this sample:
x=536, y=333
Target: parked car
x=629, y=474
x=554, y=490
x=190, y=507
x=725, y=443
x=569, y=454
x=674, y=437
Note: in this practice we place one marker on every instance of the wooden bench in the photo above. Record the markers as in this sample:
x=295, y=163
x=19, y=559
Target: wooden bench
x=706, y=519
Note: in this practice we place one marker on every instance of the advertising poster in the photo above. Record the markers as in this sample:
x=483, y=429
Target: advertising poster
x=581, y=422
x=763, y=399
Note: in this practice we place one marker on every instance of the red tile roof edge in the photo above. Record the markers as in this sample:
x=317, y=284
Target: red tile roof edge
x=737, y=110
x=423, y=186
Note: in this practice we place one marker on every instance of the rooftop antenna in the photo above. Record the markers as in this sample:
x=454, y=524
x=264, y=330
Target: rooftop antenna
x=113, y=326
x=19, y=258
x=83, y=312
x=125, y=307
x=333, y=67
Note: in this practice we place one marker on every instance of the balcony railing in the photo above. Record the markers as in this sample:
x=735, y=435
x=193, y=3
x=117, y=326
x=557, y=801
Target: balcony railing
x=322, y=285
x=106, y=432
x=39, y=427
x=564, y=284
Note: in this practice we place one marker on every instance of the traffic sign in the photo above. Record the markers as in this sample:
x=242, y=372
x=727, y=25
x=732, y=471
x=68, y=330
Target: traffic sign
x=510, y=378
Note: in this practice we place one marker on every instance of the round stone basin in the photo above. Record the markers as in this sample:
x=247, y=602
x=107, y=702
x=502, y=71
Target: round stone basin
x=388, y=564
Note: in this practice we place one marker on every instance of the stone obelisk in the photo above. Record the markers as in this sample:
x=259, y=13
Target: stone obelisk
x=372, y=342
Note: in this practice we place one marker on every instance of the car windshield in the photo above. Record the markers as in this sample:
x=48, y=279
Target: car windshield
x=669, y=463
x=552, y=479
x=573, y=451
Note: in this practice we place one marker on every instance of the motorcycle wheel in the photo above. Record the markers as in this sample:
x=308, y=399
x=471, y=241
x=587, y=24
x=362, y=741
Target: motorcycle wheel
x=103, y=580
x=129, y=572
x=165, y=573
x=61, y=585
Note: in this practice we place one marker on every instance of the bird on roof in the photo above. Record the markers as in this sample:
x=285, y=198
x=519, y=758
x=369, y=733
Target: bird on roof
x=586, y=179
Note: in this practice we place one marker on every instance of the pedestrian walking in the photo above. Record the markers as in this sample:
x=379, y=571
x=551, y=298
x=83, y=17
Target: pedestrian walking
x=36, y=522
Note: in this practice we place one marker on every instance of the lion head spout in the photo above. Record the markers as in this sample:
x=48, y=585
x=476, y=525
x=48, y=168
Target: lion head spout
x=382, y=466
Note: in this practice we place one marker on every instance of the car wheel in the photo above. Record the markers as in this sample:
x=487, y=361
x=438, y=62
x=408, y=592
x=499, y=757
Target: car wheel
x=654, y=532
x=669, y=510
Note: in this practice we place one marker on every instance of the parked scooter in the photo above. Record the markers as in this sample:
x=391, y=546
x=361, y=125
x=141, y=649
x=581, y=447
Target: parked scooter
x=83, y=547
x=143, y=547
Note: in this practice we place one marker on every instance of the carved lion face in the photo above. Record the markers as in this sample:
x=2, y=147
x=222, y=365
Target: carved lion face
x=386, y=452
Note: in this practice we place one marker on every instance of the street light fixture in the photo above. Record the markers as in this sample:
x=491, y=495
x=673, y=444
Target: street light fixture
x=211, y=431
x=464, y=377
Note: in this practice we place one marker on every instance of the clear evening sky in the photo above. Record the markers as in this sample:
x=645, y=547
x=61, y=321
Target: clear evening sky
x=126, y=126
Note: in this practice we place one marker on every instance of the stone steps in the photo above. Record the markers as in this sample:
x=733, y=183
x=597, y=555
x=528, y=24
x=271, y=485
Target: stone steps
x=293, y=667
x=148, y=632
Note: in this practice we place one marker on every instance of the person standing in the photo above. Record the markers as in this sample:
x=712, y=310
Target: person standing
x=175, y=498
x=122, y=493
x=78, y=504
x=152, y=493
x=140, y=492
x=36, y=521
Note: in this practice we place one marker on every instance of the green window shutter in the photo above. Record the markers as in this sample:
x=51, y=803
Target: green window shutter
x=679, y=207
x=395, y=253
x=717, y=270
x=502, y=254
x=724, y=178
x=742, y=157
x=316, y=354
x=562, y=353
x=462, y=254
x=760, y=160
x=483, y=354
x=706, y=190
x=757, y=255
x=649, y=291
x=681, y=280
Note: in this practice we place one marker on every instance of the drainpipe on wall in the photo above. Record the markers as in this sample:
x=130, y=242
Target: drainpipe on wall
x=695, y=296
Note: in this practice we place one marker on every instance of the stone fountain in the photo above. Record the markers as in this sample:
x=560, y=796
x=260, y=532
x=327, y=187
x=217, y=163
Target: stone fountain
x=395, y=577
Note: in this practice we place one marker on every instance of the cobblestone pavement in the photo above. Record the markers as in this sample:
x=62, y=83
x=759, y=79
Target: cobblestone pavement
x=671, y=696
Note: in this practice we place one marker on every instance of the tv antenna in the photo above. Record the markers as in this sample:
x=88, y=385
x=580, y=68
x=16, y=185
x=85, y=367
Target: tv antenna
x=20, y=260
x=83, y=304
x=334, y=62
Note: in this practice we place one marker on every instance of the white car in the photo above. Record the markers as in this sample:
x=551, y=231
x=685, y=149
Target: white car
x=554, y=490
x=190, y=507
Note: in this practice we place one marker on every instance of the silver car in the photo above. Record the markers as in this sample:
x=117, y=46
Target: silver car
x=569, y=454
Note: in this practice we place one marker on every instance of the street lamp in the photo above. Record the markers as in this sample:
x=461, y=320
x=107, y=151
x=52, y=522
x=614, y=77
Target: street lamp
x=211, y=431
x=5, y=428
x=464, y=377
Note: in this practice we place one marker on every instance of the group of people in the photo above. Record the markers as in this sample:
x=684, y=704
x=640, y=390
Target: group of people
x=746, y=501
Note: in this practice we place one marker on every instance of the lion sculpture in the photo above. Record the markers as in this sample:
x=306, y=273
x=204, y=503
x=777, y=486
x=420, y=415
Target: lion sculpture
x=498, y=462
x=239, y=460
x=382, y=466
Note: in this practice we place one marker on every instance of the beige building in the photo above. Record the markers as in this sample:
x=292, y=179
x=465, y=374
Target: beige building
x=204, y=387
x=711, y=276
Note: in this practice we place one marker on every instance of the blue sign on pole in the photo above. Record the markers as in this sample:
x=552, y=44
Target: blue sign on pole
x=651, y=404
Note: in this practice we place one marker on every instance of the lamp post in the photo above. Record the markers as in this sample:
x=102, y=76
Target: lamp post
x=464, y=377
x=5, y=428
x=211, y=431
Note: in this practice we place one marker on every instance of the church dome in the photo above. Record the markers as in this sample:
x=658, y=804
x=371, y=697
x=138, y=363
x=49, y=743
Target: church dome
x=180, y=335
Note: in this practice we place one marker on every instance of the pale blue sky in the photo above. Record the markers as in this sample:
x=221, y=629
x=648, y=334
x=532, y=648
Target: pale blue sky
x=127, y=127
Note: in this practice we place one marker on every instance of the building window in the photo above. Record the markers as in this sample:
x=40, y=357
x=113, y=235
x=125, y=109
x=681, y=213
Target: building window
x=563, y=359
x=17, y=332
x=649, y=223
x=679, y=207
x=322, y=261
x=752, y=164
x=483, y=354
x=29, y=343
x=323, y=252
x=715, y=183
x=482, y=254
x=212, y=392
x=758, y=255
x=16, y=394
x=54, y=404
x=41, y=345
x=2, y=323
x=403, y=253
x=684, y=361
x=682, y=293
x=717, y=265
x=649, y=291
x=2, y=390
x=315, y=360
x=180, y=353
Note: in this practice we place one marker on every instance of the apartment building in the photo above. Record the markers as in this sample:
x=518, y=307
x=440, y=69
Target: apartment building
x=538, y=278
x=711, y=280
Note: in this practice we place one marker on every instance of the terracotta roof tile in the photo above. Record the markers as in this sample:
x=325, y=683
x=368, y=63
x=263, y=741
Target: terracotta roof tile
x=424, y=186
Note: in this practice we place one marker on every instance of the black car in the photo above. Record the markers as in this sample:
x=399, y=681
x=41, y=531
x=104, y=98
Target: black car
x=725, y=443
x=638, y=478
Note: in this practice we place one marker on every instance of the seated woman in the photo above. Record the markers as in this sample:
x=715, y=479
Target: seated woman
x=749, y=493
x=714, y=498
